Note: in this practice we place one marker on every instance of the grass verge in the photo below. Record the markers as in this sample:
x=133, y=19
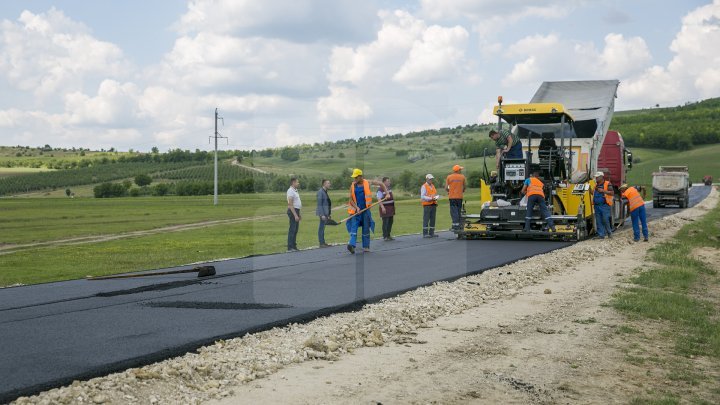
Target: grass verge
x=673, y=317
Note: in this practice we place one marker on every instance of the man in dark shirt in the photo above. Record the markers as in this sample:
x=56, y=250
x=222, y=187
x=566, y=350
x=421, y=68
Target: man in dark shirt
x=324, y=206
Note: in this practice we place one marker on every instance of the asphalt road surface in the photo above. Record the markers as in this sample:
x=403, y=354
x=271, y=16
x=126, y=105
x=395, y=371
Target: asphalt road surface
x=52, y=334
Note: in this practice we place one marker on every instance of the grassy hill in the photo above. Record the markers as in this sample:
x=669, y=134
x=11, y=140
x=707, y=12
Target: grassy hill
x=661, y=136
x=701, y=161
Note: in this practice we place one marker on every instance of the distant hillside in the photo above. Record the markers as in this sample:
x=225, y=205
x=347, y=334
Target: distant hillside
x=406, y=158
x=673, y=128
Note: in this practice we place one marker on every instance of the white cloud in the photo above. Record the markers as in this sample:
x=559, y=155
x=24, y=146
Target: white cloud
x=437, y=56
x=48, y=53
x=694, y=71
x=406, y=51
x=223, y=63
x=115, y=105
x=343, y=104
x=293, y=20
x=549, y=57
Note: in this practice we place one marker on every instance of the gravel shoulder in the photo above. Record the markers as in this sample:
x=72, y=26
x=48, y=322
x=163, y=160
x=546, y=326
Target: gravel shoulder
x=534, y=331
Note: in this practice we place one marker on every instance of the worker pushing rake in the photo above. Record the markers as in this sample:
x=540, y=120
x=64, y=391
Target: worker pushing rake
x=359, y=210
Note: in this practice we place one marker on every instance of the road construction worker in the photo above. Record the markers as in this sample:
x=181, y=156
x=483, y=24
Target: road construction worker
x=387, y=208
x=455, y=185
x=506, y=144
x=533, y=189
x=429, y=198
x=603, y=201
x=359, y=204
x=636, y=204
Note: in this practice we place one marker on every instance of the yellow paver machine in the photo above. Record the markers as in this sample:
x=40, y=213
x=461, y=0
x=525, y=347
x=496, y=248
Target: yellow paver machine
x=562, y=131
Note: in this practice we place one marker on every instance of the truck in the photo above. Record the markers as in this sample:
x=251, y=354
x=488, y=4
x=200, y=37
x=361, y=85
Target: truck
x=671, y=186
x=565, y=137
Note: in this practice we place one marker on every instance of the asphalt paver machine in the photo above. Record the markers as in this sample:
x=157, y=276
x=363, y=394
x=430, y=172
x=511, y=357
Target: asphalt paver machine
x=562, y=131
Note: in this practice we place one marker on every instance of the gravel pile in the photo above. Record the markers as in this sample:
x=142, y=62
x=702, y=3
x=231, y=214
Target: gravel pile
x=214, y=370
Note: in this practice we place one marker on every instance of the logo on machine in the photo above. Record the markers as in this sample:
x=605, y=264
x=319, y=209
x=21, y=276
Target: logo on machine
x=526, y=110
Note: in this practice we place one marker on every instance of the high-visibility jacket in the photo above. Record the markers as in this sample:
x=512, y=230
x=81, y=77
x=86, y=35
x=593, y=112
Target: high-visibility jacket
x=634, y=198
x=430, y=191
x=535, y=187
x=608, y=198
x=456, y=183
x=368, y=195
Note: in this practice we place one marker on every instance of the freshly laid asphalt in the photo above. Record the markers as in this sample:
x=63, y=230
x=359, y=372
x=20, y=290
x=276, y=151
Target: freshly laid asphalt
x=52, y=334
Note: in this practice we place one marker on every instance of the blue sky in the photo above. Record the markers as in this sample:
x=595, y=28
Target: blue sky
x=133, y=75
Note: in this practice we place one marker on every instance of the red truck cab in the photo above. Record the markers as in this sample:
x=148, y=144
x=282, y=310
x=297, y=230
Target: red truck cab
x=614, y=158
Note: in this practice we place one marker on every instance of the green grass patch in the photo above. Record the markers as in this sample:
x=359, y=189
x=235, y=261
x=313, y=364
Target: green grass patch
x=667, y=278
x=672, y=291
x=109, y=216
x=662, y=399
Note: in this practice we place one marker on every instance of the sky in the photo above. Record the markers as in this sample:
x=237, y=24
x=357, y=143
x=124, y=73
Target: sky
x=136, y=74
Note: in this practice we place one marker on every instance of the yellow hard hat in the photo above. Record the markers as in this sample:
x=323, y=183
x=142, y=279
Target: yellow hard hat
x=356, y=172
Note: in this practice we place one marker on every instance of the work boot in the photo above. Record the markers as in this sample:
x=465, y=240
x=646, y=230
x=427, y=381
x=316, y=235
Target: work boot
x=351, y=249
x=646, y=240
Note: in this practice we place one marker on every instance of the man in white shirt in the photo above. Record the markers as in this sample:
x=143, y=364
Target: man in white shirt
x=293, y=212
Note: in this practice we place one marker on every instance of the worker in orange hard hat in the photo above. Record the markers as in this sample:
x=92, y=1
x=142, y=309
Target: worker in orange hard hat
x=636, y=204
x=359, y=204
x=455, y=185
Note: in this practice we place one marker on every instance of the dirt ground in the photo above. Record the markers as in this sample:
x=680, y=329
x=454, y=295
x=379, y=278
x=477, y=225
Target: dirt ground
x=551, y=342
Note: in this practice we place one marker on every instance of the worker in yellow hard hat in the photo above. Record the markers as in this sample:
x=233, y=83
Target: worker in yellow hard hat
x=360, y=201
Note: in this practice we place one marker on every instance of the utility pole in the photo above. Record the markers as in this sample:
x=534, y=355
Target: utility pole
x=216, y=136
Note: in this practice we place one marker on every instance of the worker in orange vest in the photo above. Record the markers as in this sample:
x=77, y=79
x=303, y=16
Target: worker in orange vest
x=360, y=201
x=455, y=185
x=636, y=204
x=533, y=189
x=603, y=201
x=428, y=199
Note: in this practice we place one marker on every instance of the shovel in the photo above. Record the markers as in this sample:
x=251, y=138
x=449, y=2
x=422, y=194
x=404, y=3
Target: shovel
x=202, y=271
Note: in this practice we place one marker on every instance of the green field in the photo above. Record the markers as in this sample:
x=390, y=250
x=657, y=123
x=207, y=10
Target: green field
x=701, y=161
x=33, y=220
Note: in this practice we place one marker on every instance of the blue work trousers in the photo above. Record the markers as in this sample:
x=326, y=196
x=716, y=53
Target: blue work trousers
x=360, y=221
x=537, y=200
x=515, y=152
x=638, y=215
x=602, y=219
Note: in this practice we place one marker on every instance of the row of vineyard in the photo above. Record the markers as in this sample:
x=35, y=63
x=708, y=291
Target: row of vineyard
x=206, y=173
x=86, y=175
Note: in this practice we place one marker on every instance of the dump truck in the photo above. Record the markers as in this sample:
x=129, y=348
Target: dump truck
x=565, y=137
x=671, y=186
x=707, y=180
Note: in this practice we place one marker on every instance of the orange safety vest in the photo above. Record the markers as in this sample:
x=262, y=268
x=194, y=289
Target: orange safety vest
x=430, y=191
x=455, y=182
x=608, y=198
x=634, y=198
x=535, y=187
x=368, y=195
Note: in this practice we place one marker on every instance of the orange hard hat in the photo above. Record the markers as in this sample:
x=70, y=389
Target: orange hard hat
x=457, y=168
